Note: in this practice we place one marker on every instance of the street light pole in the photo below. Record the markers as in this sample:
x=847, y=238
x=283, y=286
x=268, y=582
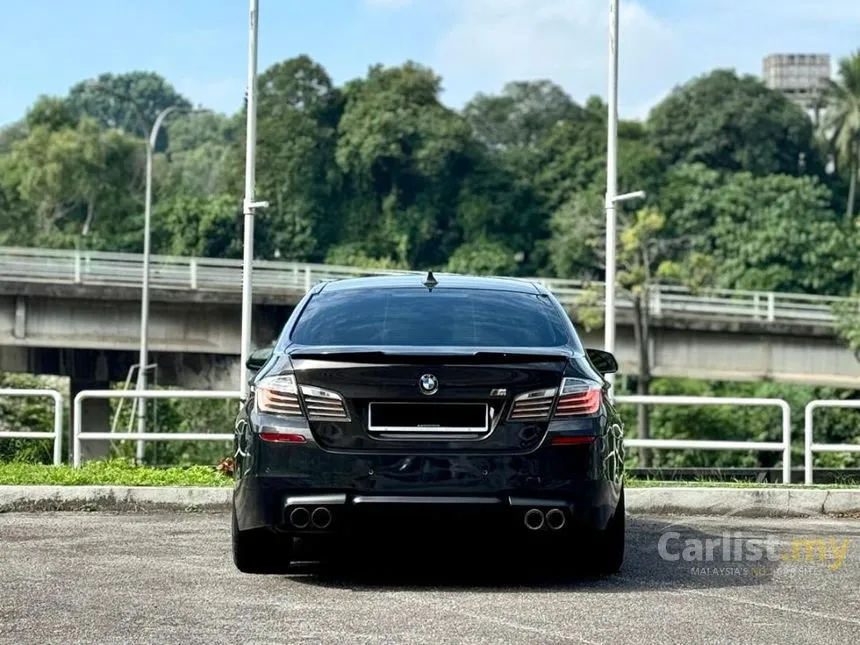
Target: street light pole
x=249, y=205
x=611, y=184
x=144, y=297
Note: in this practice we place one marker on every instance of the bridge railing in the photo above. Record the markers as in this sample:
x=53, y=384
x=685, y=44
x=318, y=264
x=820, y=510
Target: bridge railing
x=783, y=446
x=810, y=447
x=271, y=277
x=56, y=435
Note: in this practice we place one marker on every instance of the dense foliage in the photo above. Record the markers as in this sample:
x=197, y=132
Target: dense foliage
x=379, y=172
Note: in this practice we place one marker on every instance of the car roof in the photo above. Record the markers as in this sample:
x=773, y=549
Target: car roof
x=443, y=280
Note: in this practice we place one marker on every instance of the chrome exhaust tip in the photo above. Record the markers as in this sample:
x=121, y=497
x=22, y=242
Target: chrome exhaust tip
x=321, y=517
x=300, y=517
x=533, y=519
x=555, y=519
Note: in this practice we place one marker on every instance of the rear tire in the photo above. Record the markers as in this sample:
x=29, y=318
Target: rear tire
x=260, y=551
x=608, y=544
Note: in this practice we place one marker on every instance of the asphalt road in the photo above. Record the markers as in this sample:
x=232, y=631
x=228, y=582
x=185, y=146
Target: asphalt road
x=167, y=578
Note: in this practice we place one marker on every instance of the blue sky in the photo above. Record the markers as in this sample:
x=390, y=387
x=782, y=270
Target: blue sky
x=476, y=45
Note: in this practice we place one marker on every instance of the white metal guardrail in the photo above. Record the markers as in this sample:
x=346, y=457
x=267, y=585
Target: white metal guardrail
x=78, y=436
x=56, y=435
x=809, y=447
x=220, y=275
x=783, y=446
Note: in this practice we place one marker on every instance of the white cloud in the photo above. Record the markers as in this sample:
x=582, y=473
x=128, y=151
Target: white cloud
x=563, y=40
x=490, y=42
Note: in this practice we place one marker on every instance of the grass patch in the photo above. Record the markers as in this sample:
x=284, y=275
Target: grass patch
x=110, y=473
x=118, y=472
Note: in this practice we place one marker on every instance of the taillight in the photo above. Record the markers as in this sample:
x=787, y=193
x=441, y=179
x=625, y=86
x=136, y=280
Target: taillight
x=323, y=404
x=533, y=406
x=280, y=395
x=577, y=398
x=574, y=398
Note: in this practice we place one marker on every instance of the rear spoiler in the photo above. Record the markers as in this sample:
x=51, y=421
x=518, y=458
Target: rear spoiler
x=407, y=355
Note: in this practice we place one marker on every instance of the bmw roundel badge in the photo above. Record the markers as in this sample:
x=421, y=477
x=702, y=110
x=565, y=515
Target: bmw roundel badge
x=429, y=384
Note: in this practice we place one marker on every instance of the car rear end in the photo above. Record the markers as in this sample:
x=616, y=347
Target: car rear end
x=473, y=399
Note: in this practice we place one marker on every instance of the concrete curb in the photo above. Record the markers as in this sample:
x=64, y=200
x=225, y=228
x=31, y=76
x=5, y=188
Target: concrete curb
x=741, y=502
x=60, y=498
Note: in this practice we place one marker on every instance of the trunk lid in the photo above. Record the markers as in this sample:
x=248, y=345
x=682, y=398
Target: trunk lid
x=419, y=399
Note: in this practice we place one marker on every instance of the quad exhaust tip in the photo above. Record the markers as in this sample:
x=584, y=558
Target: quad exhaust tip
x=300, y=517
x=555, y=519
x=318, y=518
x=534, y=519
x=321, y=517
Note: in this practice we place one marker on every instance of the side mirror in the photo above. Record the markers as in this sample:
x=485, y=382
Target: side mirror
x=258, y=358
x=603, y=362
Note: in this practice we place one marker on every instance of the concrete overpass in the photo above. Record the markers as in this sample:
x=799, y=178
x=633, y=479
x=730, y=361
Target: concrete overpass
x=78, y=315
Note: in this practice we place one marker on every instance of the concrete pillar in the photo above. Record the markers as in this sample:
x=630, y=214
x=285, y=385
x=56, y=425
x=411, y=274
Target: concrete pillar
x=96, y=418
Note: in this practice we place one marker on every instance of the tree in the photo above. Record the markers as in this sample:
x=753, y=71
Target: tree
x=197, y=160
x=404, y=156
x=842, y=122
x=11, y=133
x=772, y=233
x=734, y=123
x=208, y=226
x=496, y=206
x=76, y=182
x=646, y=256
x=483, y=257
x=522, y=115
x=576, y=243
x=129, y=102
x=51, y=113
x=573, y=159
x=297, y=174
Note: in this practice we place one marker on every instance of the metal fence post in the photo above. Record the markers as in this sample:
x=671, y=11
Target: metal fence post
x=783, y=446
x=77, y=266
x=57, y=433
x=810, y=447
x=79, y=436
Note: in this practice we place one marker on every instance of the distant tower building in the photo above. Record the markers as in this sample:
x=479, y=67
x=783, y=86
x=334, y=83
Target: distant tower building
x=798, y=76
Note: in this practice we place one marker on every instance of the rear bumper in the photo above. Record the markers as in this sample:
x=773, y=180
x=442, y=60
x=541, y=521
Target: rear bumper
x=265, y=504
x=584, y=482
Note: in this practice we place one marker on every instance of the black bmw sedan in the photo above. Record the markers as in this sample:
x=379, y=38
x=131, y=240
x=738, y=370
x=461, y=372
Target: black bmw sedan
x=408, y=396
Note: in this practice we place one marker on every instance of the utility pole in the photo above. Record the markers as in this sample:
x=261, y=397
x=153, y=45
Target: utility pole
x=611, y=185
x=249, y=206
x=612, y=196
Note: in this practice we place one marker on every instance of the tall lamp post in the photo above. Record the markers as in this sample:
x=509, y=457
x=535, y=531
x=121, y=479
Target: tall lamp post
x=144, y=296
x=249, y=206
x=612, y=198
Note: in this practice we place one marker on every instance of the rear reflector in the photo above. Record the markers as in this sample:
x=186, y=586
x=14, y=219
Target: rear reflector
x=571, y=441
x=281, y=437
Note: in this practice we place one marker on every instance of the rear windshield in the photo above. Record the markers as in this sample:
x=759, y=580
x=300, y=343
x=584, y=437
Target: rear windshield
x=444, y=317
